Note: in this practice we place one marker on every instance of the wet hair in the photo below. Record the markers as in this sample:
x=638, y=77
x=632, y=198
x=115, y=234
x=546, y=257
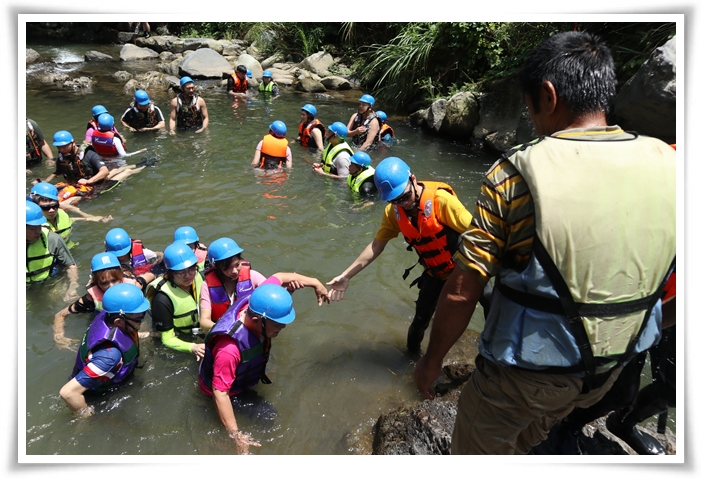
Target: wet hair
x=241, y=69
x=580, y=67
x=107, y=274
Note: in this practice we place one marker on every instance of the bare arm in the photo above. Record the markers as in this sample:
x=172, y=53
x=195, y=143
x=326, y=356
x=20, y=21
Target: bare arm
x=72, y=394
x=339, y=284
x=374, y=130
x=318, y=139
x=173, y=110
x=292, y=278
x=206, y=322
x=72, y=273
x=46, y=149
x=101, y=174
x=256, y=158
x=352, y=132
x=456, y=305
x=222, y=402
x=205, y=115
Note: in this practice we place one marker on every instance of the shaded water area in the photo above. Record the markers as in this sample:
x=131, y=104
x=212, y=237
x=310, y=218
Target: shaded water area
x=334, y=370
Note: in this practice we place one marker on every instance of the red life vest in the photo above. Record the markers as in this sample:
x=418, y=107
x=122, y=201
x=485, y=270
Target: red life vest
x=103, y=142
x=218, y=296
x=430, y=239
x=305, y=132
x=273, y=152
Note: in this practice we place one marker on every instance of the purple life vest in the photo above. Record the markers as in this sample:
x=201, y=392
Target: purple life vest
x=100, y=332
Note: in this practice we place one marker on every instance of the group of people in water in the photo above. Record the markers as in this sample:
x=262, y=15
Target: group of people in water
x=557, y=288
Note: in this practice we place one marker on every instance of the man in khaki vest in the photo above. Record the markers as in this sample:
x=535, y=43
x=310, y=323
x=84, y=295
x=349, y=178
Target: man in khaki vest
x=579, y=228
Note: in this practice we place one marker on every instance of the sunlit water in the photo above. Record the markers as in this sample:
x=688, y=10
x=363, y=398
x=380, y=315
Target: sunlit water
x=334, y=371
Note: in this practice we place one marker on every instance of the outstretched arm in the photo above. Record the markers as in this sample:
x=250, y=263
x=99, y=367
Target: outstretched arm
x=339, y=284
x=294, y=281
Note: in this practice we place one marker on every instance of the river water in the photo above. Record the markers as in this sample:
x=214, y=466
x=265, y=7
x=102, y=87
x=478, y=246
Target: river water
x=334, y=371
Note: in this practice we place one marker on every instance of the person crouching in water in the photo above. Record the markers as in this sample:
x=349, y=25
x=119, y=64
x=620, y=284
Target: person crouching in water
x=273, y=150
x=238, y=346
x=109, y=351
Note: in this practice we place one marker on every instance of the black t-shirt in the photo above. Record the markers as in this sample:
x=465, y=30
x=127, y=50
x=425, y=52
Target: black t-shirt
x=91, y=164
x=143, y=119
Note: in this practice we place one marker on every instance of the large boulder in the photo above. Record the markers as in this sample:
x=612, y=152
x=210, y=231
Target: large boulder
x=159, y=43
x=336, y=83
x=271, y=60
x=202, y=43
x=462, y=113
x=203, y=63
x=435, y=115
x=93, y=55
x=251, y=63
x=80, y=83
x=318, y=63
x=647, y=103
x=32, y=56
x=500, y=115
x=309, y=85
x=131, y=52
x=149, y=81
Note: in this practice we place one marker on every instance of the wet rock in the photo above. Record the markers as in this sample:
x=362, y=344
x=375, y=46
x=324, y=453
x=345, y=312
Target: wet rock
x=647, y=102
x=436, y=114
x=32, y=56
x=418, y=118
x=270, y=61
x=132, y=52
x=203, y=63
x=249, y=62
x=310, y=85
x=81, y=83
x=499, y=115
x=93, y=55
x=335, y=83
x=318, y=63
x=462, y=113
x=55, y=78
x=122, y=75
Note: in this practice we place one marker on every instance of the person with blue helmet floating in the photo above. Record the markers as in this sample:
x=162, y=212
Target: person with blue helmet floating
x=386, y=131
x=109, y=351
x=268, y=87
x=272, y=152
x=364, y=126
x=237, y=348
x=431, y=219
x=46, y=251
x=311, y=130
x=142, y=114
x=188, y=111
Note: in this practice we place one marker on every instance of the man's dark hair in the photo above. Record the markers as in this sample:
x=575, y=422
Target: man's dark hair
x=241, y=69
x=580, y=67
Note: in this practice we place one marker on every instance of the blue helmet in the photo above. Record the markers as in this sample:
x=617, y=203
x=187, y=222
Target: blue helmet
x=382, y=115
x=34, y=215
x=45, y=190
x=309, y=109
x=339, y=129
x=391, y=177
x=367, y=99
x=185, y=80
x=97, y=110
x=179, y=256
x=105, y=122
x=272, y=302
x=118, y=242
x=141, y=97
x=267, y=74
x=361, y=158
x=62, y=138
x=124, y=298
x=278, y=128
x=104, y=260
x=187, y=234
x=223, y=248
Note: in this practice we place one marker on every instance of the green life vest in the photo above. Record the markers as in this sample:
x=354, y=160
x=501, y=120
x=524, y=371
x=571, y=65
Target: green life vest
x=185, y=307
x=355, y=182
x=39, y=259
x=64, y=227
x=331, y=152
x=263, y=88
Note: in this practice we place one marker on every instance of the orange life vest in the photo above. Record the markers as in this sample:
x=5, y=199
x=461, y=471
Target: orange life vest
x=431, y=238
x=240, y=86
x=305, y=132
x=273, y=152
x=385, y=128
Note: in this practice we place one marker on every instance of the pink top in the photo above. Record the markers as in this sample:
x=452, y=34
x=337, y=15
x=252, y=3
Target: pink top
x=205, y=301
x=227, y=356
x=88, y=133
